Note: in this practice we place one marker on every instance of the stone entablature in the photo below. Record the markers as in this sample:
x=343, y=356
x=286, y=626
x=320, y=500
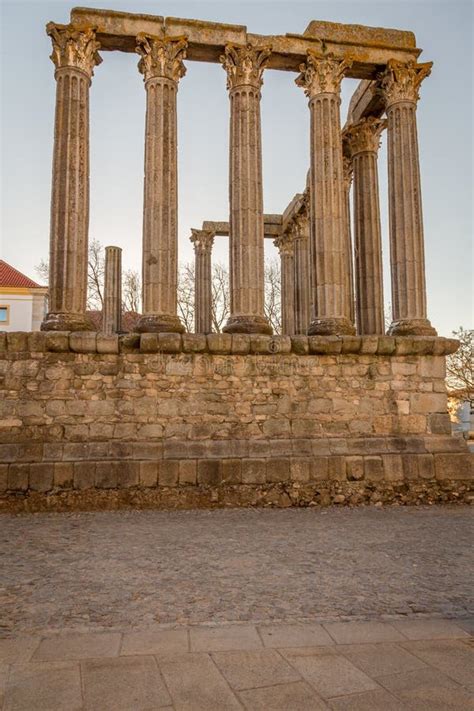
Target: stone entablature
x=370, y=47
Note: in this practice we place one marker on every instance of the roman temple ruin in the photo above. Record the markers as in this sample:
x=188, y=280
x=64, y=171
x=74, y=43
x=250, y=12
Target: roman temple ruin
x=332, y=410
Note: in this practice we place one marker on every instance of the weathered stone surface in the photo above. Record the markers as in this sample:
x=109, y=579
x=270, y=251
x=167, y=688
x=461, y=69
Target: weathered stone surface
x=107, y=343
x=454, y=466
x=83, y=341
x=219, y=427
x=219, y=342
x=41, y=477
x=194, y=342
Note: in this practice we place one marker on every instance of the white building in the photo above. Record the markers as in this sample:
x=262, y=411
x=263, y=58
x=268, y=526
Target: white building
x=23, y=302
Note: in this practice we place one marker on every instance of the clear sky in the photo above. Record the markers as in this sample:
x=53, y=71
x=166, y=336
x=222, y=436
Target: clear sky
x=445, y=124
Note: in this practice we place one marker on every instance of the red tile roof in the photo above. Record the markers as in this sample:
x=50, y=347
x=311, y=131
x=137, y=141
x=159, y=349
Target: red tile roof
x=9, y=276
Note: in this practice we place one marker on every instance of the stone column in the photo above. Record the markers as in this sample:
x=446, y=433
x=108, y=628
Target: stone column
x=203, y=242
x=74, y=55
x=112, y=309
x=285, y=245
x=349, y=267
x=321, y=78
x=162, y=67
x=302, y=299
x=363, y=141
x=244, y=67
x=399, y=84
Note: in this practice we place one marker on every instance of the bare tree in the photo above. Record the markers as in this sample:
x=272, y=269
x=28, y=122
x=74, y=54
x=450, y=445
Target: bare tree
x=131, y=291
x=42, y=270
x=220, y=296
x=131, y=286
x=460, y=365
x=95, y=275
x=186, y=295
x=273, y=294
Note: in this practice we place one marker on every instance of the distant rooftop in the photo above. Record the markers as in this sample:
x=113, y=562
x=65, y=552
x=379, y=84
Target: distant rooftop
x=11, y=277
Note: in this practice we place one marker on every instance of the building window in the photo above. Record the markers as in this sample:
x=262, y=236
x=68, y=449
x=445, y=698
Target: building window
x=4, y=315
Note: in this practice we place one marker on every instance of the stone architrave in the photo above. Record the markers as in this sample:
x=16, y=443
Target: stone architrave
x=285, y=246
x=75, y=54
x=203, y=241
x=162, y=67
x=321, y=78
x=399, y=85
x=363, y=141
x=347, y=171
x=112, y=309
x=302, y=297
x=244, y=66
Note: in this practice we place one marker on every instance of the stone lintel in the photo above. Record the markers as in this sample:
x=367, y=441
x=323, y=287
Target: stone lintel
x=271, y=227
x=366, y=101
x=370, y=47
x=292, y=209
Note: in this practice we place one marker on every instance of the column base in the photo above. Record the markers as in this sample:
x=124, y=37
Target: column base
x=159, y=323
x=412, y=327
x=248, y=324
x=331, y=327
x=65, y=321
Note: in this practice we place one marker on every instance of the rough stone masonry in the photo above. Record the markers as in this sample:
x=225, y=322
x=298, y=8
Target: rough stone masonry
x=95, y=421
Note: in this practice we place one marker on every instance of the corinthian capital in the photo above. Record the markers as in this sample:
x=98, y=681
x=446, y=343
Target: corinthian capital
x=244, y=65
x=161, y=56
x=347, y=171
x=285, y=243
x=202, y=240
x=364, y=135
x=74, y=47
x=401, y=82
x=322, y=74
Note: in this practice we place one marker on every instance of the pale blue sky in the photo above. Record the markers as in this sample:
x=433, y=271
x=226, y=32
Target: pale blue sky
x=445, y=122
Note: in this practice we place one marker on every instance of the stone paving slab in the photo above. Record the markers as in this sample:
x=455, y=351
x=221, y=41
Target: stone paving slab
x=363, y=632
x=123, y=684
x=218, y=639
x=308, y=635
x=298, y=696
x=78, y=646
x=155, y=642
x=144, y=671
x=430, y=629
x=428, y=690
x=52, y=686
x=381, y=659
x=249, y=670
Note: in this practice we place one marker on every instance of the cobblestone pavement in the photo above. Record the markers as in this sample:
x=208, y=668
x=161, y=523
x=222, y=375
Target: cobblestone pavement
x=417, y=665
x=132, y=570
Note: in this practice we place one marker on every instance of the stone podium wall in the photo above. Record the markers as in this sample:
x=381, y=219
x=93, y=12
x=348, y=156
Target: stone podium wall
x=91, y=421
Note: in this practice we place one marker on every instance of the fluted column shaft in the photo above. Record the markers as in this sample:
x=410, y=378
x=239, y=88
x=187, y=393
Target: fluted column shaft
x=400, y=84
x=244, y=67
x=162, y=67
x=203, y=242
x=302, y=300
x=363, y=140
x=349, y=265
x=285, y=245
x=74, y=55
x=112, y=308
x=321, y=77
